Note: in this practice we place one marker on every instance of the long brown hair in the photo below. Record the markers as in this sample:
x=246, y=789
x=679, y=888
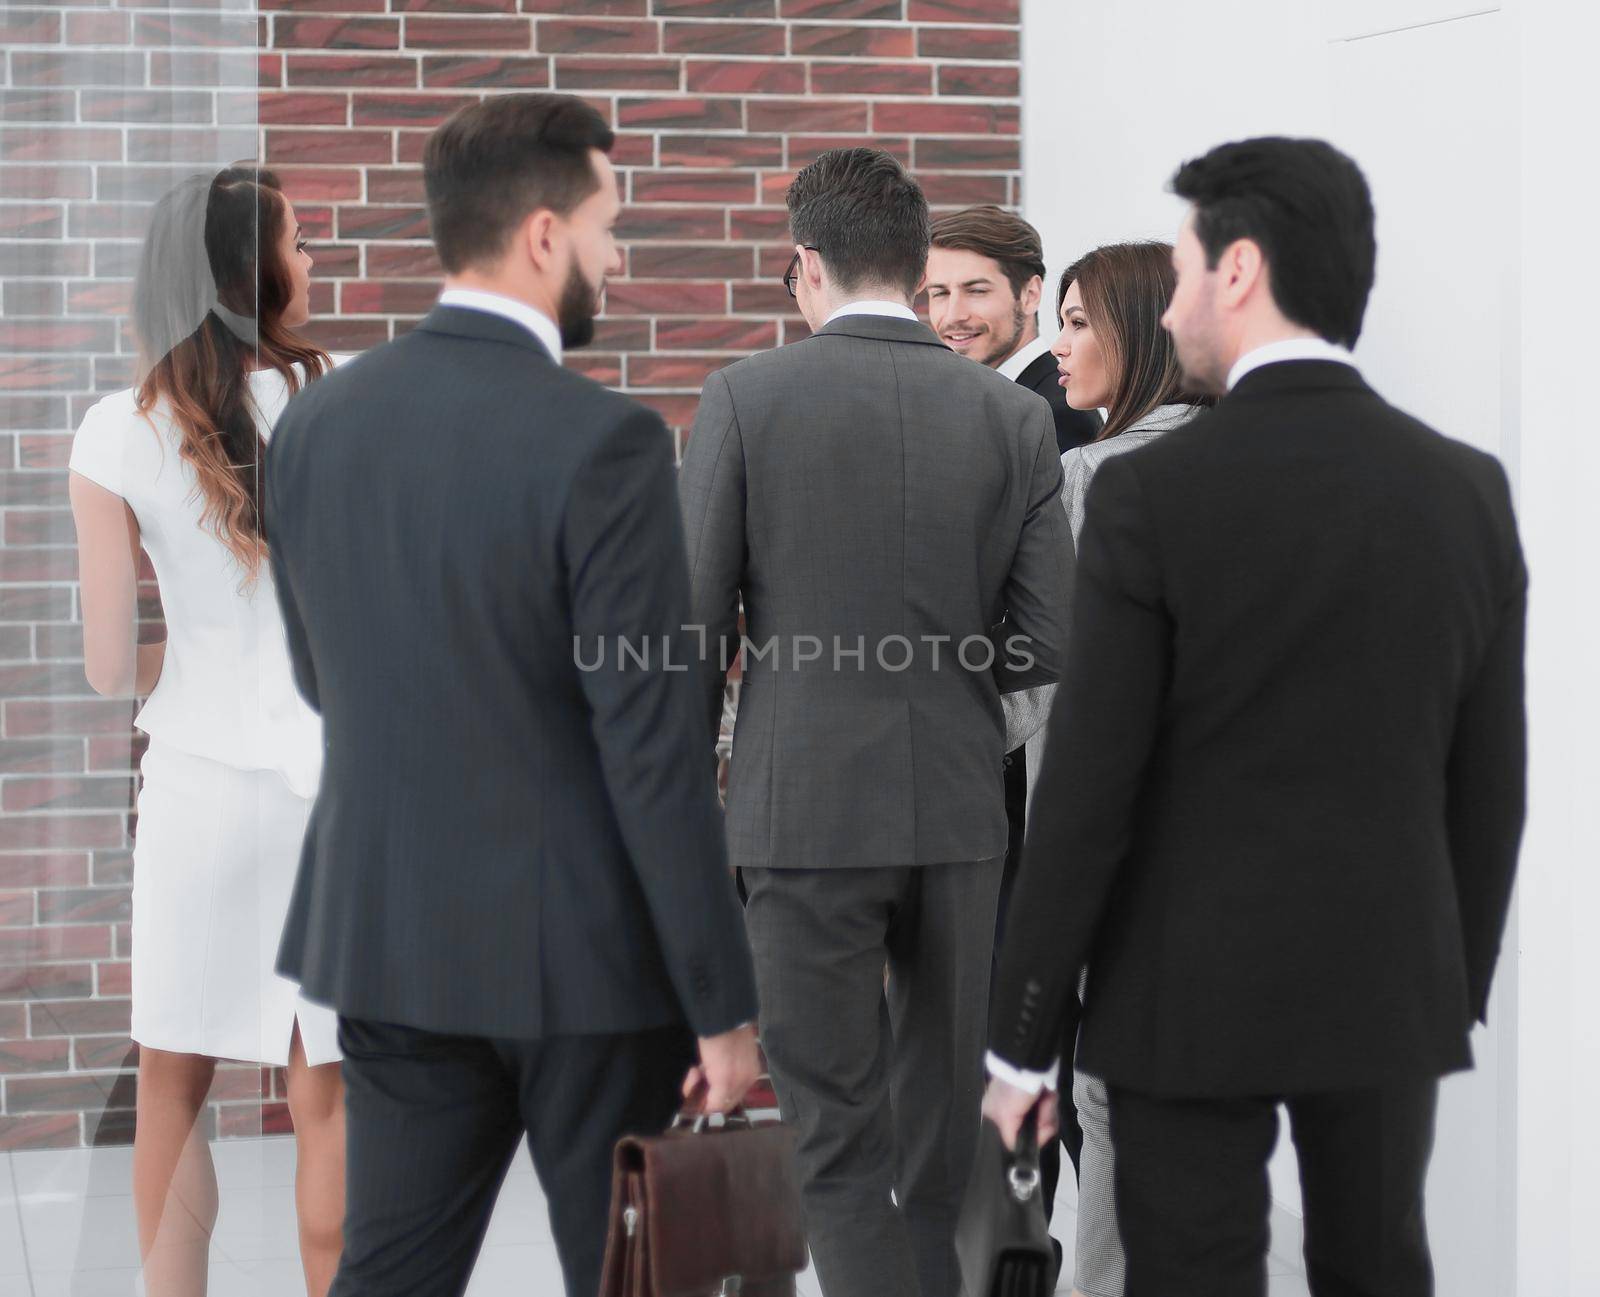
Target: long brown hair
x=204, y=376
x=1125, y=289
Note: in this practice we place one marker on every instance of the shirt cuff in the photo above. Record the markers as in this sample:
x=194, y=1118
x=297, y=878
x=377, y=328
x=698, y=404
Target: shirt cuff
x=1027, y=1082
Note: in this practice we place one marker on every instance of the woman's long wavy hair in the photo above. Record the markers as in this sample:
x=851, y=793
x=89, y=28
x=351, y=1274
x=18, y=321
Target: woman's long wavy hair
x=208, y=302
x=1125, y=289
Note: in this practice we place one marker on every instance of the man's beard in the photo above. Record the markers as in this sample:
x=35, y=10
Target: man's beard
x=1203, y=373
x=575, y=312
x=1003, y=350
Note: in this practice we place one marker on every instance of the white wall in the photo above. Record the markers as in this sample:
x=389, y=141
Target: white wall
x=1558, y=1117
x=1447, y=104
x=1117, y=94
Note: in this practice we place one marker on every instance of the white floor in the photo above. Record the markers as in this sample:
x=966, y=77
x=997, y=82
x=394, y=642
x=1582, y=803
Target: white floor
x=67, y=1230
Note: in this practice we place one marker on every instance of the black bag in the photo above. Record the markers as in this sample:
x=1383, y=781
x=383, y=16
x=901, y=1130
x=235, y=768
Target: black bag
x=1002, y=1239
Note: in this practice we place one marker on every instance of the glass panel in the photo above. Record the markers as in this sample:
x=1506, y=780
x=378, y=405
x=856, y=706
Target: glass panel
x=115, y=120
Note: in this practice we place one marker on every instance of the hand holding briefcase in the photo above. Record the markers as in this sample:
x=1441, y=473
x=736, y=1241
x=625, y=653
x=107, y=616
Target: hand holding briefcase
x=705, y=1210
x=1002, y=1238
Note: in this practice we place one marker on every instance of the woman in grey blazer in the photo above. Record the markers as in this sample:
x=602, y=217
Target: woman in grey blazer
x=1114, y=355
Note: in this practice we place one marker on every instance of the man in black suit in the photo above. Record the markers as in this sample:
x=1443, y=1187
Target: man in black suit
x=515, y=888
x=1283, y=824
x=984, y=283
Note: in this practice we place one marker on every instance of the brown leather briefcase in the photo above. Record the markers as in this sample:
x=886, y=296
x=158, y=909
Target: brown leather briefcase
x=705, y=1210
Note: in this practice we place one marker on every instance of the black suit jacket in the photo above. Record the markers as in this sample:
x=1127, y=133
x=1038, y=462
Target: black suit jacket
x=1073, y=427
x=1280, y=808
x=504, y=844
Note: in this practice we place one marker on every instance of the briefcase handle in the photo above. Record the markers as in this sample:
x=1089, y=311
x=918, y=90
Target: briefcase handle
x=1023, y=1177
x=703, y=1122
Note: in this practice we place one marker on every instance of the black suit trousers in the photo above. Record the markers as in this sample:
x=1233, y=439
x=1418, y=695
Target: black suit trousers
x=1193, y=1197
x=1016, y=786
x=433, y=1122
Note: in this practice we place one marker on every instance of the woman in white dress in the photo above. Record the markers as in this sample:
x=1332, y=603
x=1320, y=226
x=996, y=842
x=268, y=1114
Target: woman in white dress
x=172, y=467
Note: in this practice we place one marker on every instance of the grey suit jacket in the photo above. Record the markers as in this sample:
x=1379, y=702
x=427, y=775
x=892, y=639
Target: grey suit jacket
x=1027, y=713
x=868, y=490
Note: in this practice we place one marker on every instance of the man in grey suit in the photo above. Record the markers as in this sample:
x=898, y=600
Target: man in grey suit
x=899, y=571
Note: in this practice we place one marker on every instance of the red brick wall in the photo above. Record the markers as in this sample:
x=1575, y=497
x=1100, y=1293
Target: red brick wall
x=716, y=104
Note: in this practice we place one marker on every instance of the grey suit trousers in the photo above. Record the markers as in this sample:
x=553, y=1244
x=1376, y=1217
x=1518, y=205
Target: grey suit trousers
x=880, y=1077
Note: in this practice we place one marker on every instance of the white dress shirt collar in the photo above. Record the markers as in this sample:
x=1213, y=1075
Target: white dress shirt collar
x=530, y=318
x=1018, y=361
x=899, y=310
x=1288, y=349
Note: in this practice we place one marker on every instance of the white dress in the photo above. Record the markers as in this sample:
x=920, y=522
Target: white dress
x=231, y=771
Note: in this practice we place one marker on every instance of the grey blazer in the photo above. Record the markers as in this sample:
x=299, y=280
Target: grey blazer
x=872, y=490
x=1027, y=713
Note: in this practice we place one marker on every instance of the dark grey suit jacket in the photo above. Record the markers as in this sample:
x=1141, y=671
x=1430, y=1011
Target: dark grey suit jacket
x=504, y=844
x=871, y=489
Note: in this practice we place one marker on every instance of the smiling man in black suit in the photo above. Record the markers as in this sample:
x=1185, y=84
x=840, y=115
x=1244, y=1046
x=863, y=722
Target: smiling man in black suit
x=985, y=281
x=984, y=284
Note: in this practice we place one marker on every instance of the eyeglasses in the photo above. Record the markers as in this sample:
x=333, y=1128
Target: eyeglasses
x=791, y=276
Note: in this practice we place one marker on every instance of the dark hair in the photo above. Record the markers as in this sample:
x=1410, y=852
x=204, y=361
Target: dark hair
x=494, y=163
x=1308, y=207
x=1125, y=289
x=1002, y=236
x=232, y=225
x=865, y=216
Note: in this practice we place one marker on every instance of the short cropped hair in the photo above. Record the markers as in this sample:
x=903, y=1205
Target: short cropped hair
x=493, y=164
x=1002, y=236
x=866, y=217
x=1308, y=207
